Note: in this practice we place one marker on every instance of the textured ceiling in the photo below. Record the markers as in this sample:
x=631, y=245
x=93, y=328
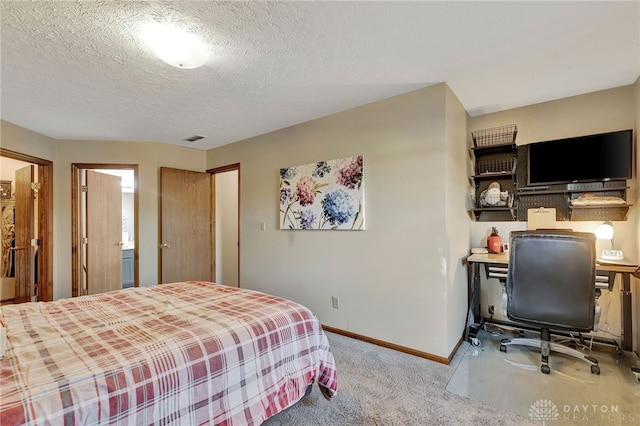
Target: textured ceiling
x=77, y=70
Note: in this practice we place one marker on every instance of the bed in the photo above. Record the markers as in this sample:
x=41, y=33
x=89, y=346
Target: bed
x=180, y=353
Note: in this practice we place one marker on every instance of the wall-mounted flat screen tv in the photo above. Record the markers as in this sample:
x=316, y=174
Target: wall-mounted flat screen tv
x=606, y=156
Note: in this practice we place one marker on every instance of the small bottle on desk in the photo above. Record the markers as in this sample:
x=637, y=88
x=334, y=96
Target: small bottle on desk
x=494, y=241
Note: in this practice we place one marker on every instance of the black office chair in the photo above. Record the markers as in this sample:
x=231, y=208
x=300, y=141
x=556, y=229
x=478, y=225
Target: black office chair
x=550, y=285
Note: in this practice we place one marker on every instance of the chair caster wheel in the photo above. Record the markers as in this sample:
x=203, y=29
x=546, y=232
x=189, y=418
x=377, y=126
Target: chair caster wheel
x=595, y=369
x=475, y=341
x=545, y=369
x=503, y=348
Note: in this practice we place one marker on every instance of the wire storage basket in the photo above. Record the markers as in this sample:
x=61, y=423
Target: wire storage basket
x=497, y=163
x=494, y=136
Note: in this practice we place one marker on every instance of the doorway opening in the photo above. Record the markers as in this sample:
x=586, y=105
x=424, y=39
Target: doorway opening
x=226, y=208
x=27, y=232
x=104, y=227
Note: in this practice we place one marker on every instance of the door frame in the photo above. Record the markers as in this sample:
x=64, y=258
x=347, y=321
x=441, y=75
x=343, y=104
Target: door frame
x=76, y=234
x=45, y=220
x=213, y=172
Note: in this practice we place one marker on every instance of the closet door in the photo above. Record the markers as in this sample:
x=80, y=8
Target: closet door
x=186, y=225
x=25, y=253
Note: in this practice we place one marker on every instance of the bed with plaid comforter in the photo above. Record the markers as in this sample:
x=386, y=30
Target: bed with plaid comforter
x=181, y=353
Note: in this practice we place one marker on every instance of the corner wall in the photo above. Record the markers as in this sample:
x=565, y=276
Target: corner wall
x=458, y=225
x=393, y=279
x=598, y=112
x=148, y=155
x=24, y=141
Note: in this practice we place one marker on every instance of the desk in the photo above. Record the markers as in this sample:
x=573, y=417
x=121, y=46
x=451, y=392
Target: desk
x=611, y=268
x=625, y=269
x=474, y=261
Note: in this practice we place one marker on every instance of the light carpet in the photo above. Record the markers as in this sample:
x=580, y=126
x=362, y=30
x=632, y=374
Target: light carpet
x=380, y=386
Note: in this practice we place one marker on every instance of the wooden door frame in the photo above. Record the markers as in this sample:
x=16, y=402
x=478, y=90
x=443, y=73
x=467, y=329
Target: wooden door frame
x=213, y=172
x=45, y=220
x=76, y=237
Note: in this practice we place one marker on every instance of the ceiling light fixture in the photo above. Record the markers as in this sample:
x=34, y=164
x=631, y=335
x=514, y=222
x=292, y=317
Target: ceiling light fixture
x=174, y=45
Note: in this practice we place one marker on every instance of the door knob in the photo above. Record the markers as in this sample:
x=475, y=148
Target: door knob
x=121, y=244
x=165, y=245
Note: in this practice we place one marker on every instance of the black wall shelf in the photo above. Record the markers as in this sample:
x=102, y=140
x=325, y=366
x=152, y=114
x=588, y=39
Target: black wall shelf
x=496, y=158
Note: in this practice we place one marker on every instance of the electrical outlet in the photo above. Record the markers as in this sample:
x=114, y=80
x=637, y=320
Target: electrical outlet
x=263, y=225
x=335, y=302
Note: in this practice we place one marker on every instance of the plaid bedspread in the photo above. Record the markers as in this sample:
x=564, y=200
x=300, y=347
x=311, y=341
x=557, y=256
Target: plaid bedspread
x=182, y=353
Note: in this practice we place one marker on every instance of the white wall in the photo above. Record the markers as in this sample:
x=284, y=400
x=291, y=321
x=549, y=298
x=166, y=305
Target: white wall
x=149, y=157
x=128, y=213
x=8, y=167
x=394, y=278
x=400, y=280
x=227, y=228
x=457, y=220
x=19, y=139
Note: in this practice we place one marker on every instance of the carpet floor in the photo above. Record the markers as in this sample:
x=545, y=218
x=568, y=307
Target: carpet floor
x=380, y=386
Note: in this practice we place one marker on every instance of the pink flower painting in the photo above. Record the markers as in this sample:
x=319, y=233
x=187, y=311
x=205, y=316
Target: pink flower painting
x=323, y=195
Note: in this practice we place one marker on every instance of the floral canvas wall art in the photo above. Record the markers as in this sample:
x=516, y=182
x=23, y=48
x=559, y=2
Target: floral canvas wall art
x=323, y=195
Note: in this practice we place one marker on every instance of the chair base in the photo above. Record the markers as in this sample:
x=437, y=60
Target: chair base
x=546, y=346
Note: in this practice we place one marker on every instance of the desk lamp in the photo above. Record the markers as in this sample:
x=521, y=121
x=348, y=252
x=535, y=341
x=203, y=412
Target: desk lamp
x=605, y=232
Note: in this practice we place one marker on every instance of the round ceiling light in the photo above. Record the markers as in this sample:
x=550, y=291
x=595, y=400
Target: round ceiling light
x=174, y=45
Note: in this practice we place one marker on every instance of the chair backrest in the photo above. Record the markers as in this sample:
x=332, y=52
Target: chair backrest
x=551, y=279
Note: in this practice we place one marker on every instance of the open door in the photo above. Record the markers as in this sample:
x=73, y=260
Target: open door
x=186, y=225
x=103, y=232
x=40, y=194
x=103, y=203
x=25, y=251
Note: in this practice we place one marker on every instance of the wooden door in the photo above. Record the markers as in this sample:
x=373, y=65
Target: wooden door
x=104, y=232
x=25, y=252
x=185, y=215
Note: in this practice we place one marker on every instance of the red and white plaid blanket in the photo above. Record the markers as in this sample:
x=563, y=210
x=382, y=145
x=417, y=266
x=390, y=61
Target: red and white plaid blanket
x=183, y=353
